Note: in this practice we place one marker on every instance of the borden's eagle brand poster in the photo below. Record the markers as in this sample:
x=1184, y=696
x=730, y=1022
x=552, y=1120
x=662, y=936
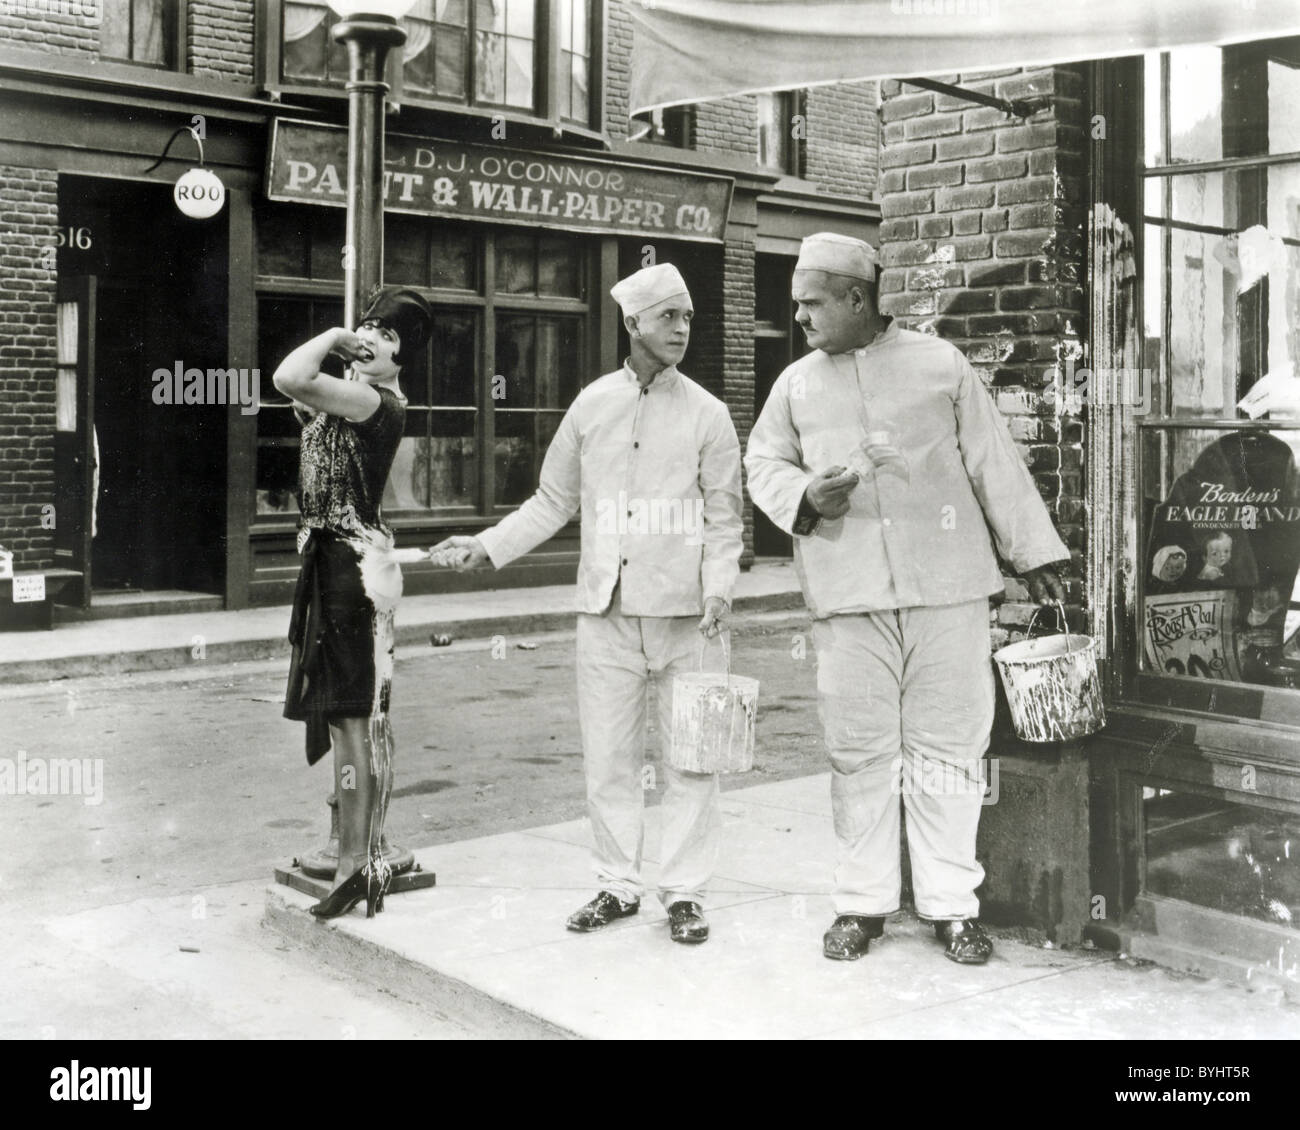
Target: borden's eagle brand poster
x=1192, y=633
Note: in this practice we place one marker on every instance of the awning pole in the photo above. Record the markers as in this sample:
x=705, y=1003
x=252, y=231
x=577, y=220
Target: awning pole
x=1016, y=107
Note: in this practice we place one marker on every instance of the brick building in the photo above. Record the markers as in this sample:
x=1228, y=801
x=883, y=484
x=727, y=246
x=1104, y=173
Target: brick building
x=194, y=505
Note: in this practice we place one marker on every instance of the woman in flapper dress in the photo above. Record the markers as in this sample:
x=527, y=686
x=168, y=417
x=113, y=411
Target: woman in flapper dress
x=341, y=627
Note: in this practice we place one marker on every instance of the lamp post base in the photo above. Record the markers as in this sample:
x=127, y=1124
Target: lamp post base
x=324, y=861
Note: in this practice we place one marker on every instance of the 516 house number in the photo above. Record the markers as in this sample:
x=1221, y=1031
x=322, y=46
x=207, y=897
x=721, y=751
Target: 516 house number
x=74, y=237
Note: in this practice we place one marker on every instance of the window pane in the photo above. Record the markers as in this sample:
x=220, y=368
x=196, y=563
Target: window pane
x=581, y=35
x=115, y=29
x=773, y=130
x=454, y=352
x=515, y=457
x=418, y=52
x=566, y=86
x=558, y=361
x=1236, y=858
x=1225, y=101
x=283, y=235
x=1232, y=321
x=406, y=250
x=1195, y=104
x=306, y=44
x=455, y=257
x=328, y=233
x=150, y=31
x=282, y=325
x=579, y=109
x=277, y=462
x=490, y=67
x=453, y=464
x=517, y=264
x=516, y=361
x=519, y=72
x=408, y=481
x=450, y=65
x=566, y=25
x=1221, y=521
x=1153, y=124
x=520, y=17
x=452, y=12
x=559, y=267
x=435, y=467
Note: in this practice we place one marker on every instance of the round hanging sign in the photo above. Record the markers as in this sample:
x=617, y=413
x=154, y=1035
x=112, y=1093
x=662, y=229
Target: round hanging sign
x=199, y=194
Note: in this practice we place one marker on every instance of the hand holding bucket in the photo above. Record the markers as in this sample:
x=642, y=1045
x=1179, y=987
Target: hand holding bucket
x=713, y=719
x=1052, y=684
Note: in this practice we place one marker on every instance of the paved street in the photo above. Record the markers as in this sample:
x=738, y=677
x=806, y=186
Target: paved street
x=205, y=790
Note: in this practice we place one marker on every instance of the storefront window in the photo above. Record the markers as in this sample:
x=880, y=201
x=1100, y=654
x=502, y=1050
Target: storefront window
x=1234, y=858
x=1219, y=453
x=466, y=394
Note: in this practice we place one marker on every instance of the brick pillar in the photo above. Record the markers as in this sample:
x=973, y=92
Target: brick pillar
x=738, y=350
x=28, y=228
x=981, y=237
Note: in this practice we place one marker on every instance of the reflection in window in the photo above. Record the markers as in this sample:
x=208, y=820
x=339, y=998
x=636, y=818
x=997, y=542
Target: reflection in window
x=139, y=31
x=1234, y=858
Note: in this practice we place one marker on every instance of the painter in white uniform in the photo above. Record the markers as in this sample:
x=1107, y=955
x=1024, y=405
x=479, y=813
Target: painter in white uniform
x=652, y=461
x=885, y=457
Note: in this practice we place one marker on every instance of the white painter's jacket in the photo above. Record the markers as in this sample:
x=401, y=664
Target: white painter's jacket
x=919, y=525
x=656, y=474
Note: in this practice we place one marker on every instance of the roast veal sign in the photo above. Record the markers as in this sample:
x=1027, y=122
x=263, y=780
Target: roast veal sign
x=308, y=162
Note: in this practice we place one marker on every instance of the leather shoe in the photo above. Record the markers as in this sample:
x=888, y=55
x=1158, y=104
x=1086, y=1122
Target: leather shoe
x=601, y=911
x=966, y=941
x=686, y=923
x=850, y=936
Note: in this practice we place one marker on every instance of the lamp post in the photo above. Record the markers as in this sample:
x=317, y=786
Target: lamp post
x=369, y=29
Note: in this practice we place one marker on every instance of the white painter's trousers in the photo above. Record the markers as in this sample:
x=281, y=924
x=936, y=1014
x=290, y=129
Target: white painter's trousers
x=618, y=657
x=907, y=705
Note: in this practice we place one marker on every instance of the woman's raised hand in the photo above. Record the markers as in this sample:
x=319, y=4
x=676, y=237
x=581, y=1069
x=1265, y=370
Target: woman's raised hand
x=350, y=347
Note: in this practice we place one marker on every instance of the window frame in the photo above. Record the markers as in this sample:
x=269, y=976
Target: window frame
x=486, y=303
x=178, y=41
x=546, y=62
x=1234, y=716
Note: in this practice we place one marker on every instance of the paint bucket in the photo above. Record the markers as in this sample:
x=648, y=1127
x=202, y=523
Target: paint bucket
x=1052, y=685
x=713, y=719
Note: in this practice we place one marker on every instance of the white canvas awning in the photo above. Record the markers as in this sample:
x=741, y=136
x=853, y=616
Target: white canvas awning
x=695, y=50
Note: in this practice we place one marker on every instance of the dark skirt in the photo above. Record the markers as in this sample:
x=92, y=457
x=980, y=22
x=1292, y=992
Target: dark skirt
x=332, y=630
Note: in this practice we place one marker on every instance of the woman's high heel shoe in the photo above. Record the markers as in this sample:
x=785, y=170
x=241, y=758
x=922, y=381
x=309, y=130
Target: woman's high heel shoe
x=369, y=883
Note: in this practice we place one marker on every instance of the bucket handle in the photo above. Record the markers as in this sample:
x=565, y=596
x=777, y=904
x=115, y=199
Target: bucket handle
x=725, y=638
x=1065, y=627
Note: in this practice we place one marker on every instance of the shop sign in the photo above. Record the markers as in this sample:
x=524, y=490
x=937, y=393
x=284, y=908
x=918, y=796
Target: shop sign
x=430, y=177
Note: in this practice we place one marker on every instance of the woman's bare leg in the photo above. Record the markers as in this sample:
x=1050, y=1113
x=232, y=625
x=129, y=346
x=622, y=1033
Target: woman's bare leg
x=355, y=785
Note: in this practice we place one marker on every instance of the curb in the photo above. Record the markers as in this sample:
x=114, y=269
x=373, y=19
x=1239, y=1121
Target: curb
x=446, y=997
x=252, y=650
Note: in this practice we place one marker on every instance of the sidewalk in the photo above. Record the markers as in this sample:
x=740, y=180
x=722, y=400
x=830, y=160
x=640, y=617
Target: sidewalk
x=149, y=643
x=488, y=947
